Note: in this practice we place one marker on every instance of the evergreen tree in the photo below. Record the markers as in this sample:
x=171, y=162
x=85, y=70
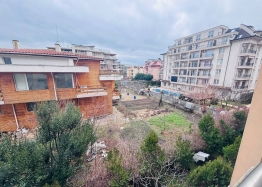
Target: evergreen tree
x=230, y=152
x=213, y=173
x=120, y=175
x=184, y=153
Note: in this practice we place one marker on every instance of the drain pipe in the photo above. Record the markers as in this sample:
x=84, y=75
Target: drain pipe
x=16, y=121
x=54, y=85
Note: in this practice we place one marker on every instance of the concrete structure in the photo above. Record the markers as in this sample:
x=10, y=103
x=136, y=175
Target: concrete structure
x=218, y=56
x=153, y=66
x=250, y=154
x=28, y=76
x=133, y=70
x=108, y=62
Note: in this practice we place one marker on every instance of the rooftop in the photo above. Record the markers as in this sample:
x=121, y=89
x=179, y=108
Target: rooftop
x=46, y=52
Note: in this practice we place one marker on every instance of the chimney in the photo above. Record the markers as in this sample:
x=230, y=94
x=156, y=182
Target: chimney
x=15, y=44
x=73, y=48
x=57, y=47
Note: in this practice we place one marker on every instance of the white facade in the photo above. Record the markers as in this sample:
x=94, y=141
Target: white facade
x=218, y=56
x=109, y=61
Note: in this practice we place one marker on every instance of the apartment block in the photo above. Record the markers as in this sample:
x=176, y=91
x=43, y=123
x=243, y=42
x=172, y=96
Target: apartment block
x=133, y=70
x=219, y=56
x=153, y=66
x=29, y=76
x=108, y=59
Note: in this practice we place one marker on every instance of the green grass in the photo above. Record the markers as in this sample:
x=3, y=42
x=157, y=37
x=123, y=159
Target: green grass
x=166, y=122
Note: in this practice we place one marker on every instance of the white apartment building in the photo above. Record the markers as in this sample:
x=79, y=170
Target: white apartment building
x=109, y=63
x=218, y=56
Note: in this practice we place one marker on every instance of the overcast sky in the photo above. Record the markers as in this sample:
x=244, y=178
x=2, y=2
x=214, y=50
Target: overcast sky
x=136, y=30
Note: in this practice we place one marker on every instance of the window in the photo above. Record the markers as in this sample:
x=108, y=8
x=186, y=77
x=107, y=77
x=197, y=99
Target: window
x=173, y=78
x=64, y=80
x=210, y=43
x=218, y=71
x=178, y=49
x=221, y=50
x=216, y=81
x=30, y=106
x=198, y=37
x=179, y=42
x=219, y=61
x=209, y=53
x=164, y=84
x=224, y=40
x=211, y=34
x=30, y=82
x=7, y=60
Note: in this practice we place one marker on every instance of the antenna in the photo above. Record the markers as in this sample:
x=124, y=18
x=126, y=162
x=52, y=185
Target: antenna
x=56, y=34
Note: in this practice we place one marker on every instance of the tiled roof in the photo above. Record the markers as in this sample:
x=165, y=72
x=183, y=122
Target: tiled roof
x=46, y=52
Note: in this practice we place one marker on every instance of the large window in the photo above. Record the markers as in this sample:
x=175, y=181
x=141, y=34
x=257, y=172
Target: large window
x=64, y=80
x=173, y=78
x=30, y=81
x=211, y=34
x=221, y=50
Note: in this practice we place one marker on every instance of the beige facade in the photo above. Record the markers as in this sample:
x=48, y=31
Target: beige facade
x=133, y=70
x=218, y=56
x=250, y=151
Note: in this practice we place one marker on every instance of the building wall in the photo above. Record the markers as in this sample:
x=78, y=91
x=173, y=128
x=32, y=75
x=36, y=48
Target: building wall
x=90, y=107
x=250, y=154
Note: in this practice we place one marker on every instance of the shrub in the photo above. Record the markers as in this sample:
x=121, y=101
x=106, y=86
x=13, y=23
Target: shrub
x=214, y=101
x=213, y=173
x=230, y=152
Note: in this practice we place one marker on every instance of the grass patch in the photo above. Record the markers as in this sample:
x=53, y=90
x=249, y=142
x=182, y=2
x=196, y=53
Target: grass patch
x=167, y=122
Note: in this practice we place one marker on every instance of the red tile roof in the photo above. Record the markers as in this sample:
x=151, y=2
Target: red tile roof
x=46, y=52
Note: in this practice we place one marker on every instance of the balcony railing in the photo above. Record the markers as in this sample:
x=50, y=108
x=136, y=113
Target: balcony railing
x=240, y=87
x=248, y=51
x=183, y=65
x=206, y=65
x=109, y=72
x=243, y=76
x=90, y=91
x=245, y=64
x=204, y=74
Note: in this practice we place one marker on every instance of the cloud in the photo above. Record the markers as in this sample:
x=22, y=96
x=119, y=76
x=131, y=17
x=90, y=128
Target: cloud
x=135, y=30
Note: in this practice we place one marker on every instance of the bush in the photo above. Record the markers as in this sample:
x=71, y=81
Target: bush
x=142, y=76
x=246, y=98
x=213, y=173
x=230, y=152
x=214, y=101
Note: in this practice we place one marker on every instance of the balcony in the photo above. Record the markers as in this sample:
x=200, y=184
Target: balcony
x=245, y=65
x=206, y=66
x=94, y=91
x=242, y=77
x=247, y=52
x=110, y=75
x=240, y=87
x=204, y=74
x=207, y=56
x=1, y=97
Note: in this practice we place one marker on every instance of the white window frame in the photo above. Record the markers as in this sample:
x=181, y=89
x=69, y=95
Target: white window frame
x=27, y=88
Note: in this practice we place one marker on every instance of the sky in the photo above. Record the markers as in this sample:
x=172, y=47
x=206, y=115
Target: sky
x=135, y=30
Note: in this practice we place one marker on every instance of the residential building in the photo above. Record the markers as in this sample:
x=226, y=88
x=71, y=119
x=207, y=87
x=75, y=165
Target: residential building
x=250, y=154
x=28, y=76
x=133, y=70
x=153, y=66
x=108, y=59
x=218, y=56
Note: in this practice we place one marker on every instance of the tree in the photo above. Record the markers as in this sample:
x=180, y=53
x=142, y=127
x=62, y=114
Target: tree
x=210, y=133
x=240, y=119
x=230, y=152
x=184, y=153
x=155, y=168
x=142, y=76
x=213, y=173
x=120, y=176
x=65, y=138
x=54, y=155
x=227, y=132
